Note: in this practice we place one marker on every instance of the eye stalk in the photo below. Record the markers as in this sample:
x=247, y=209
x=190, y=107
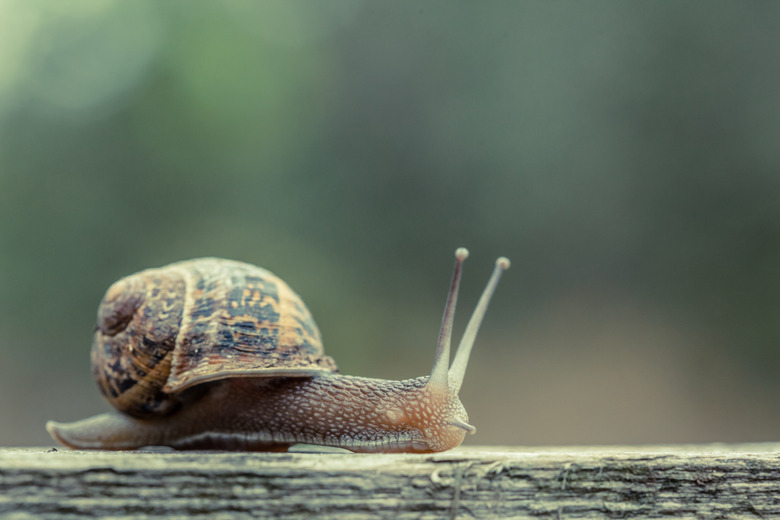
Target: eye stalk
x=446, y=378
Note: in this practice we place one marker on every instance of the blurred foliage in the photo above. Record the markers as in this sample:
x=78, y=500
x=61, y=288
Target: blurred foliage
x=623, y=154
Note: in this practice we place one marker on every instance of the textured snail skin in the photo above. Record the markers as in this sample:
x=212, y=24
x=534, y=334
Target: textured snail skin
x=356, y=413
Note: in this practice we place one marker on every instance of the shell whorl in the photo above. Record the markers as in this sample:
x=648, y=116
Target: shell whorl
x=163, y=331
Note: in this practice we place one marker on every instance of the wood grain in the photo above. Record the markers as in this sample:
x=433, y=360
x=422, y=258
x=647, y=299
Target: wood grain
x=712, y=481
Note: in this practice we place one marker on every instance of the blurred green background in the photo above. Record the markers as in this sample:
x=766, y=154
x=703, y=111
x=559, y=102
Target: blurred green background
x=624, y=155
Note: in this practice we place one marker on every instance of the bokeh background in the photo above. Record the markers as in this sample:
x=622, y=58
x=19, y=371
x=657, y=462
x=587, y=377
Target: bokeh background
x=624, y=155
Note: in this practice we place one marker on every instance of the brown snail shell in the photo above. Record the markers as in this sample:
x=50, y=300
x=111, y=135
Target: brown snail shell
x=163, y=331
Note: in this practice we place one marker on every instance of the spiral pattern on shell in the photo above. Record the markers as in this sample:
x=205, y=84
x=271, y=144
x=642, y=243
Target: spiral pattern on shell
x=166, y=330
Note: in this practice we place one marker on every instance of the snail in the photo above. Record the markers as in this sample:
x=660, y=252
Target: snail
x=218, y=354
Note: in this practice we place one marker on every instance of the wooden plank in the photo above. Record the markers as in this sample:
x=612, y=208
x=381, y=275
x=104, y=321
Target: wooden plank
x=713, y=481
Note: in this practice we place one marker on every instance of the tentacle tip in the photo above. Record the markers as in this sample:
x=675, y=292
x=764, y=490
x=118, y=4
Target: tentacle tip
x=463, y=425
x=503, y=263
x=461, y=253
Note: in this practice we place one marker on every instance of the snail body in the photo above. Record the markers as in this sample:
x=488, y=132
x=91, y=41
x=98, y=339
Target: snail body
x=218, y=354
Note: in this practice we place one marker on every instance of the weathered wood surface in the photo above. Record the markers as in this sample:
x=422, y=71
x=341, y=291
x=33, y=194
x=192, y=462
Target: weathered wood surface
x=714, y=481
